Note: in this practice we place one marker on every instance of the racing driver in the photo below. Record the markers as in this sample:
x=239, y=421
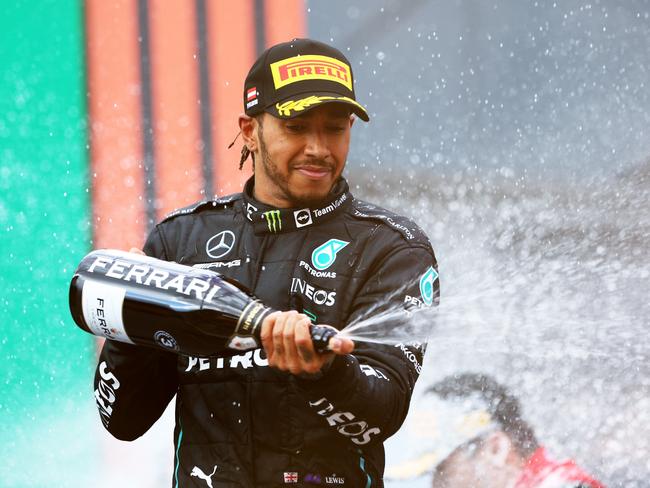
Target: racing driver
x=299, y=240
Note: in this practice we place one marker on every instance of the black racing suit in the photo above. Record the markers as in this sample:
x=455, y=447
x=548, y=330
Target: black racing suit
x=241, y=423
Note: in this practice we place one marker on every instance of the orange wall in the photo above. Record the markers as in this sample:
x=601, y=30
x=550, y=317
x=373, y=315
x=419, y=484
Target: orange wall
x=116, y=85
x=115, y=123
x=175, y=96
x=284, y=20
x=232, y=52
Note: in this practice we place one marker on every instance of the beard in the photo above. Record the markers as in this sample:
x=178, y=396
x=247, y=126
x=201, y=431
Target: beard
x=281, y=181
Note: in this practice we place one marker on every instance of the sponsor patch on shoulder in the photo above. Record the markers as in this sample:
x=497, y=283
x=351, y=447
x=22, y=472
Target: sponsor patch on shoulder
x=427, y=290
x=226, y=198
x=186, y=210
x=202, y=204
x=406, y=227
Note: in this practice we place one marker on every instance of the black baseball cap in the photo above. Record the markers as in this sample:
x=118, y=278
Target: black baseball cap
x=292, y=77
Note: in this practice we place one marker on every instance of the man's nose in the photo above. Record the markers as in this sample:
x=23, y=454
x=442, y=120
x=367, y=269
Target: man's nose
x=316, y=146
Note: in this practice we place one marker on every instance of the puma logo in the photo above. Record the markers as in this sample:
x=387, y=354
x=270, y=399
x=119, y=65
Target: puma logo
x=196, y=471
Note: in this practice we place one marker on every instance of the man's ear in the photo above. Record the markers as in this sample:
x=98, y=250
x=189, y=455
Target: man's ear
x=247, y=127
x=498, y=447
x=352, y=119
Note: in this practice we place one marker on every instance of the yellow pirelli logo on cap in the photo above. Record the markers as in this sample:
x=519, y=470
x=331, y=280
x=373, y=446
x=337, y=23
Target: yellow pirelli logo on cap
x=310, y=67
x=285, y=108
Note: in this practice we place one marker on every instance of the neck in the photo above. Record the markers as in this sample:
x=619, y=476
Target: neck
x=273, y=196
x=270, y=198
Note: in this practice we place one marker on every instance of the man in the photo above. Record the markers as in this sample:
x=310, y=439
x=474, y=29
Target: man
x=303, y=244
x=480, y=440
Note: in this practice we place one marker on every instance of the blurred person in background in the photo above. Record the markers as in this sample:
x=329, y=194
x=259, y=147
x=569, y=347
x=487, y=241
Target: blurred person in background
x=480, y=440
x=299, y=240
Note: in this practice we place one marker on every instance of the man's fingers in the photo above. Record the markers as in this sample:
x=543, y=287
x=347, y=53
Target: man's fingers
x=278, y=335
x=266, y=334
x=341, y=345
x=291, y=354
x=286, y=338
x=303, y=340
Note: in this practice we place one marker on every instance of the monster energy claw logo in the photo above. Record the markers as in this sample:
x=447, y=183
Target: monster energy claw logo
x=273, y=220
x=426, y=285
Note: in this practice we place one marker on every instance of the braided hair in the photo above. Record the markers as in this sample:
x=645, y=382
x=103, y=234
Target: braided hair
x=245, y=152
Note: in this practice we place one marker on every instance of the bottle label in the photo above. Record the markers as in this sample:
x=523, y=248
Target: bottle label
x=102, y=309
x=242, y=343
x=247, y=332
x=249, y=322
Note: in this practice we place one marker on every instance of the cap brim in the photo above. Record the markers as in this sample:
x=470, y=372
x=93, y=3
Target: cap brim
x=297, y=105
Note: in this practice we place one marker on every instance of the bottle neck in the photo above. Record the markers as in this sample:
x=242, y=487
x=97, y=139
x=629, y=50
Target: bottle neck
x=249, y=326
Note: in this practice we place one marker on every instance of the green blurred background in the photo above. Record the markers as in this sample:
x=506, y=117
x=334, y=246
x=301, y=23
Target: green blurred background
x=44, y=231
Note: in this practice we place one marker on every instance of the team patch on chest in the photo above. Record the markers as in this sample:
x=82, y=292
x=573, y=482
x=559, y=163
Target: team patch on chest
x=321, y=260
x=314, y=294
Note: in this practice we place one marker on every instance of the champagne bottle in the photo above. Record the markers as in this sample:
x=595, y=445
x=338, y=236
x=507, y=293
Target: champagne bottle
x=141, y=300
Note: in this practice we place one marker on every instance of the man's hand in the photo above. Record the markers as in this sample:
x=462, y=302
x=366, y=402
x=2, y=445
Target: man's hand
x=288, y=345
x=137, y=251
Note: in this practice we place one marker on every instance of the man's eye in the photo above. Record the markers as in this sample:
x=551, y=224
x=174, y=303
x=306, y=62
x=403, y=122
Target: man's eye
x=337, y=128
x=295, y=127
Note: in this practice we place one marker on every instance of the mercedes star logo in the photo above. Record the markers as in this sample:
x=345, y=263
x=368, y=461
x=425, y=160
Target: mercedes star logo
x=220, y=244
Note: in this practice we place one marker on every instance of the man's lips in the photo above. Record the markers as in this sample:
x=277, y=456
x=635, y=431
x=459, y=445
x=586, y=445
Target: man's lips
x=314, y=172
